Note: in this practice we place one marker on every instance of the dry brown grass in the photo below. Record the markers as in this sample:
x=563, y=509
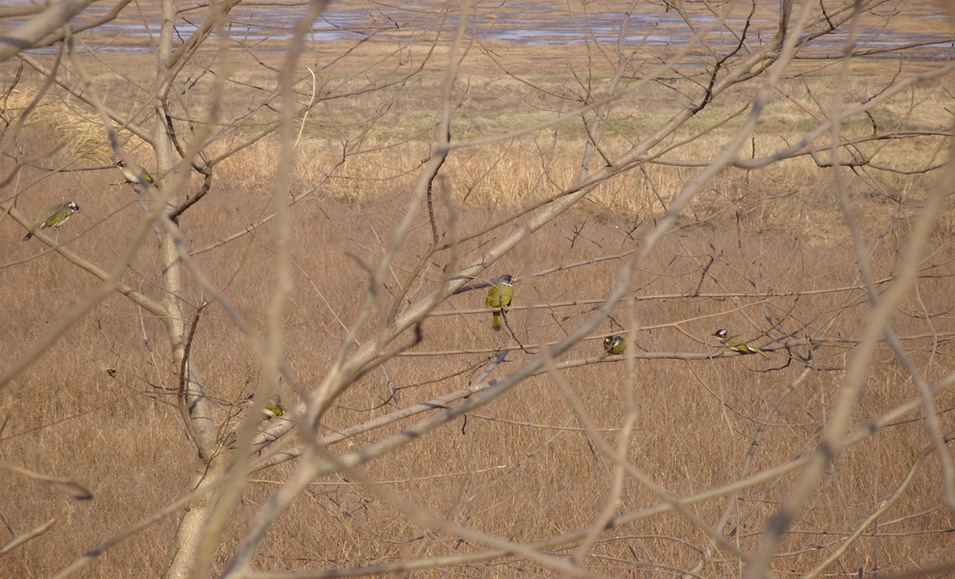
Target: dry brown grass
x=520, y=468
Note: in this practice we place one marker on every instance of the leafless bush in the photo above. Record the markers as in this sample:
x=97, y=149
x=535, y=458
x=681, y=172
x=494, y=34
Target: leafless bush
x=332, y=190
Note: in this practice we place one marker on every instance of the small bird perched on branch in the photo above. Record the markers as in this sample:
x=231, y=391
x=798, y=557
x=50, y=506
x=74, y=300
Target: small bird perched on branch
x=738, y=342
x=54, y=216
x=273, y=406
x=498, y=298
x=135, y=174
x=615, y=345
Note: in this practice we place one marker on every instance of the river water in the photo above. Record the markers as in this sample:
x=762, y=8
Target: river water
x=266, y=25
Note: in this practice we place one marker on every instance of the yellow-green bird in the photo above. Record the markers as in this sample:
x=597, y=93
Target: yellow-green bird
x=135, y=174
x=54, y=216
x=498, y=298
x=738, y=342
x=615, y=345
x=273, y=407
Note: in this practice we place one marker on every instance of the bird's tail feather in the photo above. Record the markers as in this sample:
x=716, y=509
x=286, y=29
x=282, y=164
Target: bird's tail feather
x=496, y=320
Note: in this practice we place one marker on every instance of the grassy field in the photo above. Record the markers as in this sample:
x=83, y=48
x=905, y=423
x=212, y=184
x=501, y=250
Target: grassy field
x=757, y=245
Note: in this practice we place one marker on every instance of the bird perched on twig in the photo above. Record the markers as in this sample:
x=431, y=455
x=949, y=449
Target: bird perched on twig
x=738, y=342
x=615, y=345
x=135, y=174
x=273, y=406
x=498, y=298
x=54, y=216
